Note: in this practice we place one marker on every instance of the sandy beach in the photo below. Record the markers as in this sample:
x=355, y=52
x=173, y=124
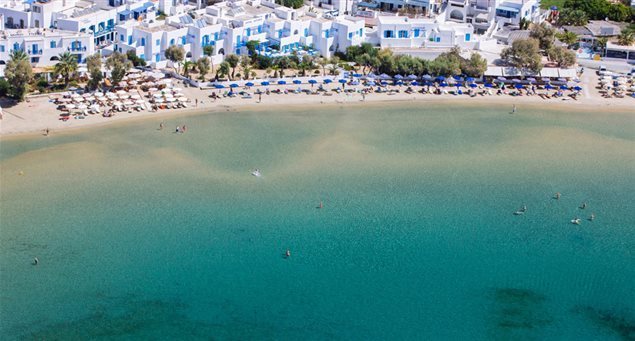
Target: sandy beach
x=39, y=113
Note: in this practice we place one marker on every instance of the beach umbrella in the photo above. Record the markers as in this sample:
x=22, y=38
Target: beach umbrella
x=342, y=81
x=264, y=83
x=469, y=79
x=414, y=83
x=249, y=84
x=549, y=87
x=458, y=78
x=233, y=85
x=518, y=86
x=182, y=99
x=531, y=80
x=282, y=82
x=502, y=79
x=473, y=85
x=441, y=78
x=427, y=77
x=372, y=75
x=554, y=8
x=219, y=86
x=398, y=77
x=577, y=88
x=327, y=81
x=562, y=79
x=297, y=81
x=398, y=82
x=545, y=79
x=563, y=87
x=355, y=82
x=384, y=76
x=412, y=77
x=516, y=80
x=489, y=85
x=312, y=81
x=384, y=83
x=357, y=75
x=443, y=84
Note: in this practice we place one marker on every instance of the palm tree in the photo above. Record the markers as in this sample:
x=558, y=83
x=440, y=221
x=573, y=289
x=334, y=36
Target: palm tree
x=323, y=62
x=187, y=67
x=626, y=38
x=66, y=66
x=18, y=55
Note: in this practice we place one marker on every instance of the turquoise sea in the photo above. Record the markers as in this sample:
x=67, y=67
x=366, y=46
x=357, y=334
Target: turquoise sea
x=148, y=234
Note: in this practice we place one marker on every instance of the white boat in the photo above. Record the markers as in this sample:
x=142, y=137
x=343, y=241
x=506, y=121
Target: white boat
x=519, y=212
x=575, y=221
x=256, y=173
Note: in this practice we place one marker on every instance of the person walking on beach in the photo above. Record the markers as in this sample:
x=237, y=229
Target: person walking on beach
x=178, y=129
x=196, y=103
x=259, y=98
x=513, y=109
x=46, y=132
x=161, y=125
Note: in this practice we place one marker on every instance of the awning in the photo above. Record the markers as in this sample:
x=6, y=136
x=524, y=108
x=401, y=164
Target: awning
x=493, y=71
x=511, y=72
x=550, y=72
x=567, y=73
x=125, y=12
x=508, y=9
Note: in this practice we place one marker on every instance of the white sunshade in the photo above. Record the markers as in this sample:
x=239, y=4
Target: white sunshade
x=182, y=99
x=567, y=73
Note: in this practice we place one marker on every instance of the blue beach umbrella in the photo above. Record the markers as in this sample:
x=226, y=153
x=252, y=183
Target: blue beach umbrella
x=412, y=77
x=563, y=87
x=297, y=81
x=281, y=82
x=502, y=79
x=219, y=86
x=355, y=82
x=458, y=78
x=357, y=75
x=516, y=80
x=414, y=83
x=265, y=83
x=577, y=88
x=398, y=77
x=342, y=81
x=518, y=86
x=549, y=87
x=233, y=85
x=473, y=85
x=489, y=85
x=384, y=83
x=399, y=82
x=441, y=78
x=249, y=84
x=312, y=81
x=427, y=77
x=554, y=8
x=327, y=81
x=469, y=79
x=443, y=84
x=384, y=76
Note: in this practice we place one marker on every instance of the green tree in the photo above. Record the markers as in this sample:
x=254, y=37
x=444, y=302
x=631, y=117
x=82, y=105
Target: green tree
x=562, y=56
x=573, y=17
x=252, y=49
x=19, y=74
x=223, y=70
x=295, y=4
x=176, y=54
x=524, y=24
x=626, y=38
x=66, y=66
x=93, y=63
x=233, y=61
x=523, y=54
x=188, y=67
x=475, y=66
x=203, y=66
x=620, y=12
x=568, y=37
x=118, y=64
x=283, y=63
x=545, y=35
x=323, y=62
x=136, y=60
x=208, y=50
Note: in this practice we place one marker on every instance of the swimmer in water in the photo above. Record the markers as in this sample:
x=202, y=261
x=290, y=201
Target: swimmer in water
x=35, y=261
x=557, y=196
x=287, y=254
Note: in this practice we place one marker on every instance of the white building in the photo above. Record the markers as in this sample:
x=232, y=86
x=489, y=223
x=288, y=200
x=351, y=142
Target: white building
x=486, y=15
x=44, y=45
x=403, y=32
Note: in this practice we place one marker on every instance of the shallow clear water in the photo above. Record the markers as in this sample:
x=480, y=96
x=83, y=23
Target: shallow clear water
x=143, y=233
